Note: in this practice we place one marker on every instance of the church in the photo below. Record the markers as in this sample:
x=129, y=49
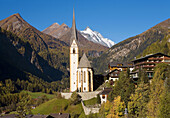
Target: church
x=81, y=73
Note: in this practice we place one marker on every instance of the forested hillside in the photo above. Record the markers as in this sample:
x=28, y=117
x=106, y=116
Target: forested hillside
x=128, y=49
x=18, y=59
x=162, y=46
x=54, y=51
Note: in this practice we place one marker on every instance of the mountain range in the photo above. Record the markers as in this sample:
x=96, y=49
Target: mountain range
x=58, y=31
x=25, y=50
x=63, y=32
x=49, y=56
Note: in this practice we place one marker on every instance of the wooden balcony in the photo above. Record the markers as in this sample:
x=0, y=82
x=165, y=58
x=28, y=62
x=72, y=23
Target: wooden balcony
x=152, y=58
x=143, y=63
x=148, y=66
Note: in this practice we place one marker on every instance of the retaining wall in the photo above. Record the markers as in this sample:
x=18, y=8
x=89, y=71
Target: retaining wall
x=84, y=95
x=87, y=110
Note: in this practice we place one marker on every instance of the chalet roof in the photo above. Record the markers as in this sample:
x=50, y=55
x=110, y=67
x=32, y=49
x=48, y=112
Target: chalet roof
x=124, y=64
x=84, y=62
x=106, y=91
x=150, y=55
x=112, y=72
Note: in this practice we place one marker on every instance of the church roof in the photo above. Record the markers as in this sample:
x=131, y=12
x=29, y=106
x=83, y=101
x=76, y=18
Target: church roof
x=73, y=30
x=84, y=62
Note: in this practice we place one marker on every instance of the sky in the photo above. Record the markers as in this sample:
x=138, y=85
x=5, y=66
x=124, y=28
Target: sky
x=114, y=19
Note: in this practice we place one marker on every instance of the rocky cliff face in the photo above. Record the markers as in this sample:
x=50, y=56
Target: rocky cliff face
x=131, y=47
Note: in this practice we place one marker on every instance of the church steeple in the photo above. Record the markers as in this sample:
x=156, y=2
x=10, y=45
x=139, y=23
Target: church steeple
x=73, y=29
x=74, y=56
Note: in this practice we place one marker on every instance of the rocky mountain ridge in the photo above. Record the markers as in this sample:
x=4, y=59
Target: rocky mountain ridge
x=96, y=37
x=56, y=30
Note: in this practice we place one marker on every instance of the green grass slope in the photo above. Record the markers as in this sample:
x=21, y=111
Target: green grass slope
x=51, y=106
x=39, y=94
x=92, y=101
x=59, y=105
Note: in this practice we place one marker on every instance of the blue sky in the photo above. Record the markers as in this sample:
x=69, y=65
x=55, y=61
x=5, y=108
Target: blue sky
x=114, y=19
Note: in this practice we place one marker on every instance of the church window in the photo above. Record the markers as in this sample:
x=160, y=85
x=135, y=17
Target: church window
x=79, y=77
x=84, y=77
x=74, y=51
x=84, y=88
x=77, y=74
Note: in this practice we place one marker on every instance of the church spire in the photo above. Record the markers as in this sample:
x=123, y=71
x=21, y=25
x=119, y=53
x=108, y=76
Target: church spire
x=73, y=29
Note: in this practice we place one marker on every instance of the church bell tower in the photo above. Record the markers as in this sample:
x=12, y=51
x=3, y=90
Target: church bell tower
x=74, y=56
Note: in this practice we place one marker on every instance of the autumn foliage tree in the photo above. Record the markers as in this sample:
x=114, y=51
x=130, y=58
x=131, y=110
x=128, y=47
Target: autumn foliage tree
x=117, y=110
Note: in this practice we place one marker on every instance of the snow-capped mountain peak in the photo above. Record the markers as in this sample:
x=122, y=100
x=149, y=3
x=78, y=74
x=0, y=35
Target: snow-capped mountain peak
x=96, y=37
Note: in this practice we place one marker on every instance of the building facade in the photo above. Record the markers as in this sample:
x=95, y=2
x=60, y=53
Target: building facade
x=115, y=68
x=148, y=64
x=122, y=66
x=104, y=94
x=114, y=75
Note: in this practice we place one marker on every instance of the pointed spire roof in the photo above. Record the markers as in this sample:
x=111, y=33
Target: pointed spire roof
x=84, y=62
x=73, y=29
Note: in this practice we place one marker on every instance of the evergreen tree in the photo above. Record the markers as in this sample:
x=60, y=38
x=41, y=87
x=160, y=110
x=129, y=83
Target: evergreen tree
x=24, y=105
x=164, y=106
x=123, y=87
x=137, y=107
x=161, y=72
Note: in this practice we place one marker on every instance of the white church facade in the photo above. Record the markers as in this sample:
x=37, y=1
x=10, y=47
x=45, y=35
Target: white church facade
x=81, y=73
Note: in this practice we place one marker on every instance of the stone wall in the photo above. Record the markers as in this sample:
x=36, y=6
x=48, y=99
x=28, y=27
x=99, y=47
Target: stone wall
x=87, y=110
x=66, y=95
x=88, y=95
x=84, y=95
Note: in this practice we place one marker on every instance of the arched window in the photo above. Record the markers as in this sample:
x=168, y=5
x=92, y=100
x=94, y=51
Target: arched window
x=74, y=51
x=77, y=74
x=79, y=77
x=84, y=77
